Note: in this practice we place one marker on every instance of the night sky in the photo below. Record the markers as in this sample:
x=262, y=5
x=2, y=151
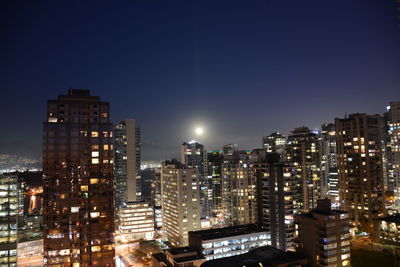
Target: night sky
x=240, y=69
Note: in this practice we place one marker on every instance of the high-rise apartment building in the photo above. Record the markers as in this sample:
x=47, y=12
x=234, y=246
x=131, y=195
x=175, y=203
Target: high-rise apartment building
x=214, y=172
x=127, y=162
x=156, y=198
x=239, y=203
x=360, y=168
x=302, y=153
x=277, y=197
x=78, y=210
x=193, y=155
x=328, y=158
x=8, y=219
x=392, y=151
x=275, y=143
x=180, y=201
x=323, y=236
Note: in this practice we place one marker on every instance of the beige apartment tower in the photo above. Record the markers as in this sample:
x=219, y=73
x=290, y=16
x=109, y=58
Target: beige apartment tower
x=180, y=201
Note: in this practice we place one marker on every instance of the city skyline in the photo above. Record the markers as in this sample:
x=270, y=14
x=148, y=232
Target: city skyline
x=200, y=133
x=241, y=71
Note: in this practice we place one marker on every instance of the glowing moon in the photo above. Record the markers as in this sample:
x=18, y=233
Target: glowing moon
x=199, y=130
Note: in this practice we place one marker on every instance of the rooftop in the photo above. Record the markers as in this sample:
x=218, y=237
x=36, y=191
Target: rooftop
x=226, y=232
x=262, y=256
x=393, y=218
x=190, y=258
x=181, y=250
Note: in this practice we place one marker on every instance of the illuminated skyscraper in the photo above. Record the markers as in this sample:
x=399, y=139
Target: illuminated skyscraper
x=8, y=219
x=127, y=162
x=302, y=153
x=392, y=153
x=78, y=212
x=328, y=157
x=276, y=196
x=214, y=162
x=193, y=155
x=180, y=201
x=275, y=143
x=239, y=203
x=359, y=151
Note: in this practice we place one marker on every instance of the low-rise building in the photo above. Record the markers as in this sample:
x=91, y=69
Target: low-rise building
x=387, y=230
x=259, y=257
x=323, y=235
x=136, y=221
x=178, y=257
x=228, y=241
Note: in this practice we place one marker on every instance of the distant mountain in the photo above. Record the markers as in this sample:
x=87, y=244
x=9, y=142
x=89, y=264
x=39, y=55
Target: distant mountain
x=151, y=151
x=21, y=149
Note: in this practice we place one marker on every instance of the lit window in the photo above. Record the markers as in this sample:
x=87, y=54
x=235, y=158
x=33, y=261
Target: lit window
x=85, y=187
x=95, y=154
x=94, y=214
x=96, y=248
x=105, y=147
x=95, y=134
x=52, y=119
x=94, y=181
x=74, y=209
x=95, y=161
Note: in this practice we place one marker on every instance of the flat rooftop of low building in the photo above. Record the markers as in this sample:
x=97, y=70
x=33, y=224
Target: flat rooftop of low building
x=189, y=258
x=262, y=256
x=181, y=250
x=226, y=232
x=159, y=256
x=392, y=218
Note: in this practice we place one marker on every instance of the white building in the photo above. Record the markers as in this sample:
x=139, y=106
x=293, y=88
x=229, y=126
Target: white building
x=180, y=201
x=136, y=221
x=228, y=241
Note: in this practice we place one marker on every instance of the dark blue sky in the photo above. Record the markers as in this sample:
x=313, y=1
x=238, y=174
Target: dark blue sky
x=239, y=68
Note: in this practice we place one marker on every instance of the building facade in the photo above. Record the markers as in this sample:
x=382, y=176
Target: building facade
x=323, y=236
x=136, y=221
x=260, y=257
x=387, y=230
x=178, y=257
x=360, y=168
x=180, y=201
x=277, y=197
x=392, y=151
x=8, y=219
x=302, y=153
x=228, y=241
x=239, y=203
x=214, y=172
x=78, y=192
x=275, y=143
x=193, y=155
x=328, y=158
x=127, y=162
